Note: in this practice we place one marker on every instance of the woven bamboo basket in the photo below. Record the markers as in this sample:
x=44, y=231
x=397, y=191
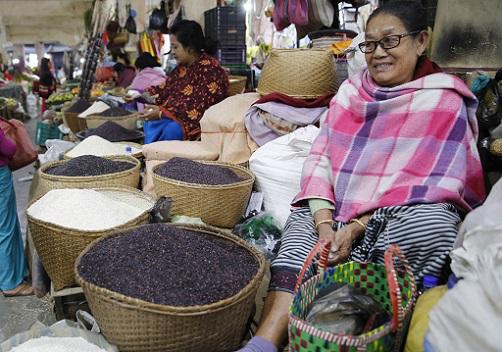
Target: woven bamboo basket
x=237, y=84
x=496, y=147
x=137, y=155
x=59, y=247
x=217, y=205
x=299, y=73
x=126, y=178
x=71, y=119
x=139, y=326
x=127, y=121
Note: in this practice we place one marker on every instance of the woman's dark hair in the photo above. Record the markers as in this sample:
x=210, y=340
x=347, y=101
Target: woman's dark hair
x=411, y=13
x=119, y=67
x=190, y=35
x=46, y=76
x=146, y=60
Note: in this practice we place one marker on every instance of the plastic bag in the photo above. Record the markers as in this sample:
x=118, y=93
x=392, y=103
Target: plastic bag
x=130, y=24
x=161, y=210
x=158, y=18
x=261, y=231
x=346, y=310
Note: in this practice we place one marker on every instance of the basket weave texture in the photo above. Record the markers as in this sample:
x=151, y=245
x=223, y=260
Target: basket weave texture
x=127, y=121
x=126, y=178
x=216, y=205
x=74, y=123
x=59, y=247
x=237, y=84
x=299, y=73
x=136, y=325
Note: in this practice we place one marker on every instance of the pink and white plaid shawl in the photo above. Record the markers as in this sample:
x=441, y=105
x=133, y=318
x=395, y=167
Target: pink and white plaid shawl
x=414, y=143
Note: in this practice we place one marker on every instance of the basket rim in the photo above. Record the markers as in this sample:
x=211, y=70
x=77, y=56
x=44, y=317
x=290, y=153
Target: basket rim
x=172, y=181
x=351, y=340
x=127, y=158
x=95, y=233
x=143, y=305
x=298, y=96
x=111, y=118
x=132, y=144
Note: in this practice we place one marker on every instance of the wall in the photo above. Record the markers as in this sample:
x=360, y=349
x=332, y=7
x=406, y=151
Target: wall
x=194, y=9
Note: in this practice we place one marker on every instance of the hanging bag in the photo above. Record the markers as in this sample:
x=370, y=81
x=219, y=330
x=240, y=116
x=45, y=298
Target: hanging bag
x=26, y=153
x=130, y=24
x=280, y=14
x=158, y=18
x=393, y=289
x=298, y=12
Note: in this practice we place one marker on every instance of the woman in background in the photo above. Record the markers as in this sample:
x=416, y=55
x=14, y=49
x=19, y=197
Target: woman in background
x=197, y=83
x=12, y=260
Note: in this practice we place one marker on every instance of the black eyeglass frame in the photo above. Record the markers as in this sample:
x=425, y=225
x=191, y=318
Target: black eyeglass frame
x=380, y=42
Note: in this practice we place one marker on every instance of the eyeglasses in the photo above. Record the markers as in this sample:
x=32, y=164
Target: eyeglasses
x=387, y=42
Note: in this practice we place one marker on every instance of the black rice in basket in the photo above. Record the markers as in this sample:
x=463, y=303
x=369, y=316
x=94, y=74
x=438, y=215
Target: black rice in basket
x=166, y=265
x=80, y=105
x=113, y=112
x=114, y=132
x=89, y=165
x=186, y=170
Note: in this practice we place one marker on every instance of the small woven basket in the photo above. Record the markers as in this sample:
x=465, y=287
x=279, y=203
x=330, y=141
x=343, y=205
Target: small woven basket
x=71, y=119
x=217, y=205
x=299, y=73
x=127, y=121
x=59, y=247
x=126, y=178
x=237, y=84
x=393, y=289
x=139, y=326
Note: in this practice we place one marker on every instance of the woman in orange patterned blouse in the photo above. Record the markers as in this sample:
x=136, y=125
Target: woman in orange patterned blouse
x=193, y=86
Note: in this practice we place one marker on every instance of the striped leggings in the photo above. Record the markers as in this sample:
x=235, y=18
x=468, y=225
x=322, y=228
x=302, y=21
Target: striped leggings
x=425, y=233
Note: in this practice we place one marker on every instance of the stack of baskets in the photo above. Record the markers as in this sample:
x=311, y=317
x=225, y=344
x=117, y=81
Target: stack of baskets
x=217, y=205
x=136, y=325
x=126, y=178
x=237, y=85
x=59, y=247
x=71, y=119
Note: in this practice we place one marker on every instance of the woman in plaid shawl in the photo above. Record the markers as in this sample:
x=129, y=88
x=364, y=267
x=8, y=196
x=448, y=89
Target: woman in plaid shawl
x=395, y=162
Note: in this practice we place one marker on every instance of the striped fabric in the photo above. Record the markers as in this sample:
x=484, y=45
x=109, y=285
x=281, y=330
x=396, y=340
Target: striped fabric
x=414, y=143
x=425, y=233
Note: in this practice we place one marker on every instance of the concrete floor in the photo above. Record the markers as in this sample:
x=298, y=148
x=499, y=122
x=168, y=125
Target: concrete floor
x=17, y=314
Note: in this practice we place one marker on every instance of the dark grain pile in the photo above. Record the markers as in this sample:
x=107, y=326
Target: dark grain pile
x=113, y=112
x=114, y=132
x=89, y=165
x=80, y=105
x=186, y=170
x=166, y=265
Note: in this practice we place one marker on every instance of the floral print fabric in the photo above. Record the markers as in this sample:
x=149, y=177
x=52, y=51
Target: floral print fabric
x=189, y=91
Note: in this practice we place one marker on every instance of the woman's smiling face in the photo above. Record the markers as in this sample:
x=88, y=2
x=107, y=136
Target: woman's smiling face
x=392, y=67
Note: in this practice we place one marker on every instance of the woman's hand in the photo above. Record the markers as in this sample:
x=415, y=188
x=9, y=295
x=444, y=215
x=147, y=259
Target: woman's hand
x=342, y=245
x=151, y=112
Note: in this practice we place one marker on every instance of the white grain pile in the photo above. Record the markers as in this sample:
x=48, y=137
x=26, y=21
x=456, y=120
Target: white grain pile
x=87, y=209
x=95, y=145
x=95, y=108
x=57, y=344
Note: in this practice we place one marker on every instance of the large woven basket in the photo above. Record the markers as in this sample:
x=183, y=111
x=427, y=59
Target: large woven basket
x=299, y=73
x=136, y=325
x=127, y=121
x=216, y=205
x=237, y=84
x=59, y=247
x=126, y=178
x=71, y=119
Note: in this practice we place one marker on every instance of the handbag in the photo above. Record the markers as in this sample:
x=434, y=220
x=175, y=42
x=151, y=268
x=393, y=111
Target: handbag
x=26, y=153
x=393, y=289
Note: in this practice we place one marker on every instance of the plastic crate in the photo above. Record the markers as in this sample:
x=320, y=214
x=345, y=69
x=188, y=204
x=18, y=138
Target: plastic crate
x=226, y=16
x=231, y=55
x=47, y=131
x=228, y=36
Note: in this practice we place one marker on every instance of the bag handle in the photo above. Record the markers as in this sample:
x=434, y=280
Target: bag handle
x=323, y=247
x=398, y=311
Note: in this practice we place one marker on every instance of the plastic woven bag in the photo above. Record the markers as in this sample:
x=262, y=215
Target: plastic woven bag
x=391, y=288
